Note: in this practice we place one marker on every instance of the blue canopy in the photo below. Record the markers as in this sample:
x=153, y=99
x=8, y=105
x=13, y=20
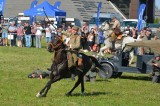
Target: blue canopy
x=48, y=8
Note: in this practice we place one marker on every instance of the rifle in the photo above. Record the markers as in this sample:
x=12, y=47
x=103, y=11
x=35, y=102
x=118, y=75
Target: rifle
x=47, y=17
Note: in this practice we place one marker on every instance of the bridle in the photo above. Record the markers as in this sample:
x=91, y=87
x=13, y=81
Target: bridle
x=57, y=45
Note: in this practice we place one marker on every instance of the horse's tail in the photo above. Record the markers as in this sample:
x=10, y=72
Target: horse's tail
x=101, y=70
x=94, y=60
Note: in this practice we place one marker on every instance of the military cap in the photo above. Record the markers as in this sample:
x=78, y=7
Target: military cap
x=157, y=55
x=75, y=28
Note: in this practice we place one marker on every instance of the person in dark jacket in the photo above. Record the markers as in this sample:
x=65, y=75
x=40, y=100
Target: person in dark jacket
x=156, y=69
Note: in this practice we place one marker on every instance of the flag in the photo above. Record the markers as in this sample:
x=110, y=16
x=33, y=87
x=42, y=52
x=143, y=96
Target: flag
x=140, y=16
x=2, y=4
x=33, y=5
x=57, y=4
x=98, y=12
x=101, y=37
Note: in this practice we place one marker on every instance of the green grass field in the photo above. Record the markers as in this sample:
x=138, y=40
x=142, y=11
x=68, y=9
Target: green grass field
x=18, y=90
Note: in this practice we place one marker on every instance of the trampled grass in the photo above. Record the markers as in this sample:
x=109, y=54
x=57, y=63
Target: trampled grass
x=18, y=90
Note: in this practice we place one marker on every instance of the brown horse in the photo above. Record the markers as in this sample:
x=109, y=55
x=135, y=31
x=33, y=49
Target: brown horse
x=59, y=67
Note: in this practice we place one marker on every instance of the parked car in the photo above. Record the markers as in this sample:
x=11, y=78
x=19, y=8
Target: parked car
x=153, y=27
x=119, y=63
x=132, y=23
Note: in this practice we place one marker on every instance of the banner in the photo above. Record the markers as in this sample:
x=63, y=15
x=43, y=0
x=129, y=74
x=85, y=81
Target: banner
x=57, y=4
x=140, y=16
x=2, y=4
x=98, y=12
x=33, y=5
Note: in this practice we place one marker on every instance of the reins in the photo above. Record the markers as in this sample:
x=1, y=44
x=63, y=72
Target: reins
x=54, y=47
x=59, y=50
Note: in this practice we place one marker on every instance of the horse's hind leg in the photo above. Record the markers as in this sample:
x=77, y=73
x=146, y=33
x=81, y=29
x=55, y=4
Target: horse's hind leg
x=82, y=85
x=80, y=79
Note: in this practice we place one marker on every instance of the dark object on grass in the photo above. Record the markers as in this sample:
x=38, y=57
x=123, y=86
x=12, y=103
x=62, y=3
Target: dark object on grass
x=39, y=74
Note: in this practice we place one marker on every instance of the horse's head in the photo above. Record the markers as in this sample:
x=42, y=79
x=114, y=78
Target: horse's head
x=55, y=44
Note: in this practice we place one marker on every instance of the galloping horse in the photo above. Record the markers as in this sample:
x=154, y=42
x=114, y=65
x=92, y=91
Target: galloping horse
x=119, y=43
x=107, y=31
x=59, y=67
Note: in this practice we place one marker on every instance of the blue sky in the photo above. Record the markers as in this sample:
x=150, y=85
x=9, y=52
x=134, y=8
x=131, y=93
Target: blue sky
x=157, y=2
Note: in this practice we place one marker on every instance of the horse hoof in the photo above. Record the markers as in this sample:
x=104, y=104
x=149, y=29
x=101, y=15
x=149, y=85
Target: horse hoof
x=38, y=95
x=68, y=94
x=43, y=95
x=82, y=94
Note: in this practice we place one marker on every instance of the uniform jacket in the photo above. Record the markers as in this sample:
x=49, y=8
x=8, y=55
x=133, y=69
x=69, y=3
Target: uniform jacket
x=74, y=40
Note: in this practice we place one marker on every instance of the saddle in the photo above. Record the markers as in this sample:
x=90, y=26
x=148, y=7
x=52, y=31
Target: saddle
x=79, y=62
x=119, y=37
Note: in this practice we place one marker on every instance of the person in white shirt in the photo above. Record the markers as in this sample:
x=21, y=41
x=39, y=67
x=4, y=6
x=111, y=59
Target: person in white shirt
x=38, y=35
x=48, y=34
x=53, y=28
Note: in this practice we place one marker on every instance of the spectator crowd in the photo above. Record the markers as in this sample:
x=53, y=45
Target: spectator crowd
x=30, y=35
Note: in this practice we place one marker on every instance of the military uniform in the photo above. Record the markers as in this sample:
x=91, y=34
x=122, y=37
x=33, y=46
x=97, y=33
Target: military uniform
x=74, y=46
x=156, y=71
x=113, y=36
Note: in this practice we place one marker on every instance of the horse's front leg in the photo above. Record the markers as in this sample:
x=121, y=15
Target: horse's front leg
x=48, y=86
x=39, y=94
x=52, y=81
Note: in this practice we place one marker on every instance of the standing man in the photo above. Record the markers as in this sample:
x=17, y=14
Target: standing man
x=53, y=28
x=116, y=31
x=38, y=35
x=156, y=69
x=157, y=35
x=27, y=32
x=5, y=33
x=85, y=32
x=13, y=31
x=147, y=36
x=33, y=30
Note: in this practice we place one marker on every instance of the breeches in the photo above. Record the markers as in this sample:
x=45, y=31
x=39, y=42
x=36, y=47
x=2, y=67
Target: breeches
x=72, y=59
x=113, y=37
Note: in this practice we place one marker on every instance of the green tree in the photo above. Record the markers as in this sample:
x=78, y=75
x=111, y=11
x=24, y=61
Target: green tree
x=156, y=20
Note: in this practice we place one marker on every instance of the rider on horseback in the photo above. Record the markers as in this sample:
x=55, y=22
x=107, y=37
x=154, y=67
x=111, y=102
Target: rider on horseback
x=116, y=31
x=73, y=47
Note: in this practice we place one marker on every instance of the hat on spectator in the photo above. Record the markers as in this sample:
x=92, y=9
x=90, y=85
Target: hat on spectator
x=145, y=28
x=75, y=28
x=157, y=55
x=149, y=30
